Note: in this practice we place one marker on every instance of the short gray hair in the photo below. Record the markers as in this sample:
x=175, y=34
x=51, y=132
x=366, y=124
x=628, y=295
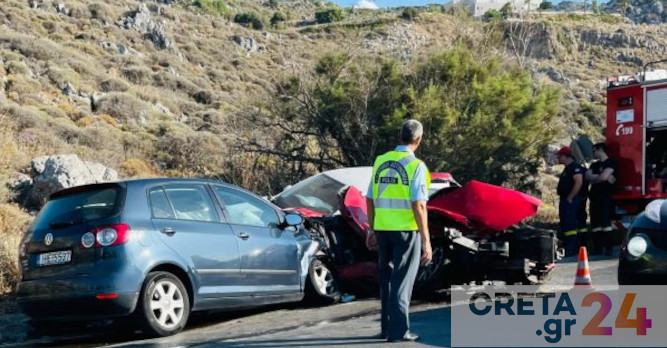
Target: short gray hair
x=411, y=130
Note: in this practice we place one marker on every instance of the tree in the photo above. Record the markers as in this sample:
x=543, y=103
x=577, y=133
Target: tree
x=623, y=6
x=484, y=119
x=585, y=6
x=410, y=14
x=330, y=15
x=273, y=3
x=250, y=19
x=507, y=10
x=491, y=15
x=546, y=5
x=595, y=7
x=278, y=18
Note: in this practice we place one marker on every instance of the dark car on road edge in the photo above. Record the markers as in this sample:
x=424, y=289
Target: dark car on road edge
x=154, y=250
x=643, y=259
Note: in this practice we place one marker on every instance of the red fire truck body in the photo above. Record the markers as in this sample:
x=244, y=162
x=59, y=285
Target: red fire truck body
x=637, y=139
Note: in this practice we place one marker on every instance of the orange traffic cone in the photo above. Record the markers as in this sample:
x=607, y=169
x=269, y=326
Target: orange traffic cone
x=583, y=272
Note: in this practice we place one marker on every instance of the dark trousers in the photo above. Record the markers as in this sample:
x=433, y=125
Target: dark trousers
x=399, y=255
x=601, y=212
x=568, y=213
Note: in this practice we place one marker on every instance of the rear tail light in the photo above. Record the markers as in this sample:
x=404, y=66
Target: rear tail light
x=106, y=236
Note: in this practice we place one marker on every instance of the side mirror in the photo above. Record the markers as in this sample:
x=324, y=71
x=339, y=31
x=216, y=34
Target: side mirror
x=287, y=188
x=293, y=219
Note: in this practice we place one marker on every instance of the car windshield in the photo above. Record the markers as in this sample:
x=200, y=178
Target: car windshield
x=318, y=193
x=80, y=207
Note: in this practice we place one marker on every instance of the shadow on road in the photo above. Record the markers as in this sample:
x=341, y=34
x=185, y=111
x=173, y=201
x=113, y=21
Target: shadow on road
x=433, y=327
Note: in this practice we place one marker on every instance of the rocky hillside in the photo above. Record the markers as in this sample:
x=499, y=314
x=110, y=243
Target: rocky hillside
x=165, y=87
x=640, y=11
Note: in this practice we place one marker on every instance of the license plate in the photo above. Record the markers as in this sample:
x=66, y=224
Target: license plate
x=54, y=258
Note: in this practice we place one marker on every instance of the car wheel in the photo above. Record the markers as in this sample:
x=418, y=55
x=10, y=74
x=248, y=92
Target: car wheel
x=431, y=277
x=165, y=307
x=321, y=284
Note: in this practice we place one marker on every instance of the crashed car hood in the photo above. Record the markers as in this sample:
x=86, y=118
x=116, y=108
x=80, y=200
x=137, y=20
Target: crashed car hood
x=484, y=205
x=490, y=206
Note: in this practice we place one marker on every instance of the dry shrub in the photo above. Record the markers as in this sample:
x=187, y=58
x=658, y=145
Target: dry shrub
x=39, y=49
x=137, y=75
x=9, y=151
x=191, y=153
x=122, y=106
x=113, y=85
x=108, y=119
x=136, y=168
x=102, y=11
x=85, y=121
x=21, y=89
x=72, y=112
x=78, y=10
x=13, y=223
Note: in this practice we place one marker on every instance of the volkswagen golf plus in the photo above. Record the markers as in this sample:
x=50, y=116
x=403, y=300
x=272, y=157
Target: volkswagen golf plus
x=151, y=251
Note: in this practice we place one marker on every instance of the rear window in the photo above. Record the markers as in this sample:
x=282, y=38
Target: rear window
x=80, y=206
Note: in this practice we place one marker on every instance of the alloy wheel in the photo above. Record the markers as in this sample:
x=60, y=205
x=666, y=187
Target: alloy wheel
x=324, y=280
x=167, y=304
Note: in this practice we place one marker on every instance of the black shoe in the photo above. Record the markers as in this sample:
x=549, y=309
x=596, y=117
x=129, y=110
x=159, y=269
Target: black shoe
x=380, y=336
x=409, y=337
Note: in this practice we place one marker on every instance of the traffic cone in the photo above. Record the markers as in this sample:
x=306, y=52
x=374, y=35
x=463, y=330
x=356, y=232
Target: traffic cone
x=583, y=272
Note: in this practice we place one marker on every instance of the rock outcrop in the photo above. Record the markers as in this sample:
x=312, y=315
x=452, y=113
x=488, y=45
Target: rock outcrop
x=52, y=173
x=141, y=21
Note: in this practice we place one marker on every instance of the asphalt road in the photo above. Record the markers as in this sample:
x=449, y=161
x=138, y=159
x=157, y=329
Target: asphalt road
x=343, y=325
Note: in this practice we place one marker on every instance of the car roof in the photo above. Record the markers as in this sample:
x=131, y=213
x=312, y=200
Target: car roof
x=359, y=177
x=139, y=182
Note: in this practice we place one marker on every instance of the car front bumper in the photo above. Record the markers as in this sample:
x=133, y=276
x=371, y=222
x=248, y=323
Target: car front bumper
x=649, y=269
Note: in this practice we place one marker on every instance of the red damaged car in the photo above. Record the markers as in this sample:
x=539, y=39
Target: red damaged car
x=476, y=232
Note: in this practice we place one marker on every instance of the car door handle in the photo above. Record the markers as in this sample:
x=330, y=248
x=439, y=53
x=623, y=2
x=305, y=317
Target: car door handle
x=243, y=235
x=168, y=231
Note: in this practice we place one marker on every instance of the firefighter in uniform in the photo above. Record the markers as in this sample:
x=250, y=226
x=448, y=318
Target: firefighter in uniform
x=396, y=202
x=601, y=176
x=569, y=191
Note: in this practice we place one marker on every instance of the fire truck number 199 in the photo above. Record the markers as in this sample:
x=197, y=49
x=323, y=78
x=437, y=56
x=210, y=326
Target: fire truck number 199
x=622, y=130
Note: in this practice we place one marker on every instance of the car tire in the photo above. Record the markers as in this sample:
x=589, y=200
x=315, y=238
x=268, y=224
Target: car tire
x=164, y=305
x=321, y=284
x=432, y=277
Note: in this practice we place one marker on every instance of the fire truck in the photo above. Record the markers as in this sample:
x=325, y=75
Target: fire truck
x=637, y=139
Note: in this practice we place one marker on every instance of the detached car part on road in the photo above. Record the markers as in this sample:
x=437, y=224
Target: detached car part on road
x=643, y=259
x=474, y=228
x=154, y=250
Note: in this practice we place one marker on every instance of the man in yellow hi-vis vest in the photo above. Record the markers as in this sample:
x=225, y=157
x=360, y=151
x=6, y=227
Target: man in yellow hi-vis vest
x=396, y=203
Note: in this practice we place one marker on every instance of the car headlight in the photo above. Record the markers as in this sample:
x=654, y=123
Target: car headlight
x=637, y=246
x=653, y=210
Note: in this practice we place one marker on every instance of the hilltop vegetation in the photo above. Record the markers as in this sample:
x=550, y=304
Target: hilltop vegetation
x=261, y=94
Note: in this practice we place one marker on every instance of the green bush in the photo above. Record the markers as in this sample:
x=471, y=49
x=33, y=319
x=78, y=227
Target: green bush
x=487, y=107
x=250, y=19
x=492, y=15
x=546, y=5
x=278, y=18
x=410, y=14
x=507, y=10
x=214, y=6
x=329, y=15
